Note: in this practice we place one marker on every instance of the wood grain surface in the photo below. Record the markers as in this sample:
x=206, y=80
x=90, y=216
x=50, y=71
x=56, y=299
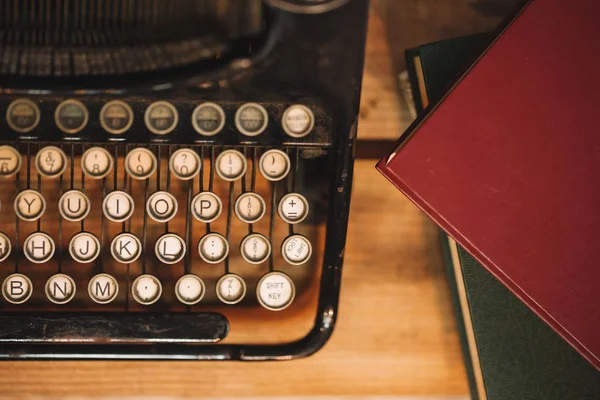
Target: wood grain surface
x=396, y=332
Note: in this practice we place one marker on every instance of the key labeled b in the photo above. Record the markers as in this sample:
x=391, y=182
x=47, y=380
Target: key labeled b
x=17, y=288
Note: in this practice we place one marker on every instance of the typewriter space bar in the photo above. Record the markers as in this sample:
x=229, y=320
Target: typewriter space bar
x=113, y=328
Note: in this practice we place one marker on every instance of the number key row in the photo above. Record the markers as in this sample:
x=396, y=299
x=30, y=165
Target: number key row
x=141, y=163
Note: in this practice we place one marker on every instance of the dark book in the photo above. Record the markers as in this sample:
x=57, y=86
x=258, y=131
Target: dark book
x=507, y=164
x=509, y=352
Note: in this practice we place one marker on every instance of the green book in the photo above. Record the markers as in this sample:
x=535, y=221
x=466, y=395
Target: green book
x=509, y=352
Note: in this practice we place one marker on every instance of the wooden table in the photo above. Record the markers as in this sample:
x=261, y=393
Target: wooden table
x=396, y=333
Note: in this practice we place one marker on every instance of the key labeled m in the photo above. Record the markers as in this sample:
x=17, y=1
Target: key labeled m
x=102, y=292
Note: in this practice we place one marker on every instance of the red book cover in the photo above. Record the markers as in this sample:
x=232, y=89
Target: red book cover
x=508, y=163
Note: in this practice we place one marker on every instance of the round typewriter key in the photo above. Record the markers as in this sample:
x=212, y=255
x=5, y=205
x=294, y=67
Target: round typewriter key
x=213, y=248
x=38, y=247
x=231, y=289
x=103, y=288
x=96, y=163
x=231, y=165
x=116, y=117
x=71, y=116
x=250, y=207
x=274, y=165
x=140, y=163
x=208, y=119
x=251, y=119
x=30, y=205
x=146, y=289
x=162, y=206
x=185, y=164
x=275, y=291
x=74, y=205
x=84, y=247
x=23, y=115
x=190, y=289
x=298, y=121
x=255, y=248
x=51, y=161
x=118, y=206
x=126, y=248
x=161, y=117
x=60, y=289
x=293, y=208
x=17, y=288
x=5, y=246
x=10, y=161
x=296, y=249
x=170, y=248
x=206, y=207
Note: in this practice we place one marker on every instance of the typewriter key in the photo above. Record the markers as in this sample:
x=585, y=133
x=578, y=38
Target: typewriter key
x=71, y=116
x=190, y=289
x=126, y=248
x=250, y=207
x=10, y=161
x=140, y=163
x=30, y=205
x=51, y=161
x=231, y=289
x=185, y=164
x=206, y=207
x=274, y=165
x=23, y=115
x=146, y=289
x=17, y=288
x=38, y=247
x=161, y=117
x=298, y=121
x=293, y=208
x=118, y=206
x=5, y=246
x=275, y=291
x=60, y=289
x=162, y=206
x=74, y=205
x=255, y=248
x=213, y=248
x=296, y=249
x=170, y=248
x=84, y=247
x=208, y=119
x=116, y=117
x=96, y=162
x=231, y=165
x=103, y=288
x=251, y=119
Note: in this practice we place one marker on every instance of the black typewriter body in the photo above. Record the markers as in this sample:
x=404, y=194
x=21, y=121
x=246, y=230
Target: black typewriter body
x=175, y=176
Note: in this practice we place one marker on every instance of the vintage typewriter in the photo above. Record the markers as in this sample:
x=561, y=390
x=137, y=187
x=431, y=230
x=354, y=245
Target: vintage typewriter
x=175, y=175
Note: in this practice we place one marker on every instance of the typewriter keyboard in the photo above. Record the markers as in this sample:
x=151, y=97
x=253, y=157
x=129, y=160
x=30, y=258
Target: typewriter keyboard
x=159, y=224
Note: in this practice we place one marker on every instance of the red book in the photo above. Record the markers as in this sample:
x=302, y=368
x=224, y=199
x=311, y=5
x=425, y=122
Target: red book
x=508, y=163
